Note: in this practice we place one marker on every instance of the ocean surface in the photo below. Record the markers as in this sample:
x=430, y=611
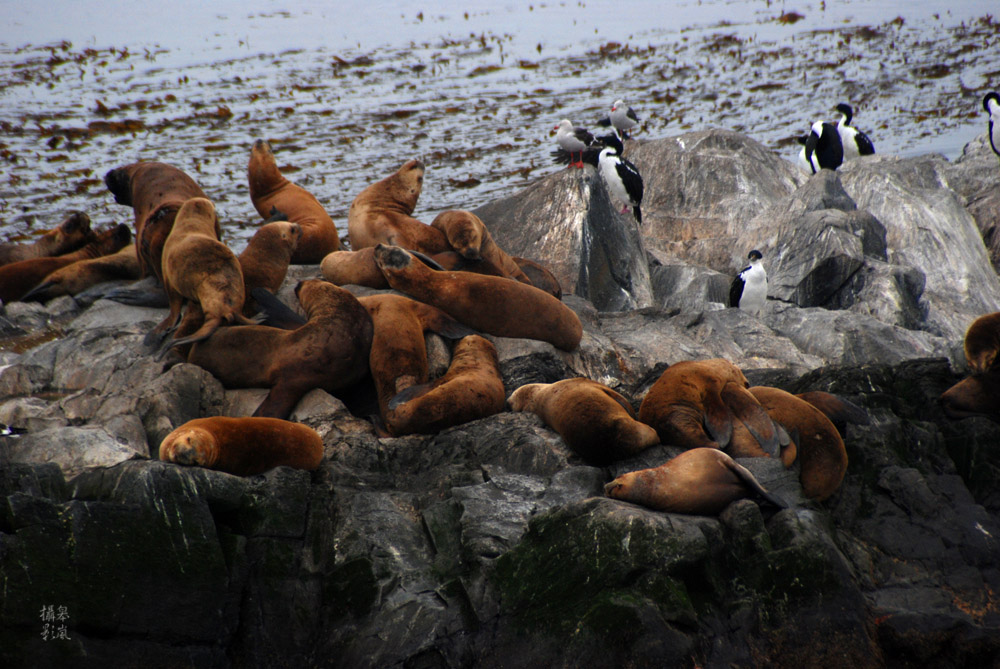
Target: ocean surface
x=345, y=94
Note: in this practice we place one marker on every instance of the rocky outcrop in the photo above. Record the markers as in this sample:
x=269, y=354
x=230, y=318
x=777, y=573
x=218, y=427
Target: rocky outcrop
x=491, y=543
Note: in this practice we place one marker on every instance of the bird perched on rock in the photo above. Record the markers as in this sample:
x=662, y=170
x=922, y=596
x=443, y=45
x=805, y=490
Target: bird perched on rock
x=749, y=289
x=622, y=118
x=573, y=140
x=855, y=142
x=823, y=147
x=621, y=177
x=991, y=103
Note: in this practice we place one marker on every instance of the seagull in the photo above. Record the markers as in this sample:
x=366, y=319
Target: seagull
x=622, y=117
x=573, y=140
x=991, y=103
x=749, y=289
x=621, y=177
x=823, y=147
x=855, y=142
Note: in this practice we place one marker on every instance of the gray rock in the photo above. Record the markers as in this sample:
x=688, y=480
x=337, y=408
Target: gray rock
x=568, y=223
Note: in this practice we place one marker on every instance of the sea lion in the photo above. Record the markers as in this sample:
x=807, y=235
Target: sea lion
x=18, y=278
x=597, y=423
x=468, y=236
x=982, y=341
x=821, y=456
x=973, y=396
x=329, y=352
x=695, y=403
x=701, y=481
x=270, y=191
x=83, y=274
x=243, y=446
x=472, y=388
x=264, y=262
x=155, y=191
x=540, y=276
x=382, y=214
x=71, y=234
x=398, y=357
x=497, y=306
x=360, y=269
x=199, y=269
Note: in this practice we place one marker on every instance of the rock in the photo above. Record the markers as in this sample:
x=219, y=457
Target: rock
x=568, y=223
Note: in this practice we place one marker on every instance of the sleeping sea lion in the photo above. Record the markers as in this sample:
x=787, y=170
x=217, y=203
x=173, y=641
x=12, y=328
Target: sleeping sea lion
x=695, y=403
x=270, y=192
x=701, y=481
x=243, y=446
x=18, y=278
x=83, y=274
x=597, y=423
x=468, y=236
x=71, y=234
x=471, y=389
x=494, y=305
x=383, y=214
x=821, y=455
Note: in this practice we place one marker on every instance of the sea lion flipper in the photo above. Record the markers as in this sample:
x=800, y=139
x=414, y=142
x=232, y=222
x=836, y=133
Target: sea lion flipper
x=718, y=421
x=621, y=400
x=427, y=260
x=751, y=481
x=37, y=293
x=747, y=409
x=275, y=312
x=407, y=394
x=276, y=215
x=146, y=292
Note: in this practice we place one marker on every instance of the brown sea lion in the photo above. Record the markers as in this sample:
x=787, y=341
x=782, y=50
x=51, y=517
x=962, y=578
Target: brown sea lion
x=701, y=481
x=383, y=214
x=264, y=261
x=540, y=276
x=68, y=236
x=597, y=423
x=982, y=341
x=155, y=191
x=18, y=278
x=398, y=357
x=468, y=236
x=360, y=269
x=83, y=274
x=329, y=352
x=199, y=269
x=821, y=456
x=695, y=403
x=494, y=305
x=973, y=396
x=243, y=446
x=472, y=388
x=270, y=191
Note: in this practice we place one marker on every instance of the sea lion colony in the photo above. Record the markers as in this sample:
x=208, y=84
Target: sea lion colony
x=457, y=283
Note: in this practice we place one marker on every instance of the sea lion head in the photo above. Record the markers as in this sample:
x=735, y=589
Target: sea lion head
x=410, y=181
x=523, y=398
x=392, y=257
x=189, y=446
x=464, y=231
x=973, y=396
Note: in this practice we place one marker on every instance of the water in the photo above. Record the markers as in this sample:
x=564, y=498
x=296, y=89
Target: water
x=473, y=88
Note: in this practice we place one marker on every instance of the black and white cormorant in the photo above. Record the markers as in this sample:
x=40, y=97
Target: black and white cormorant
x=749, y=289
x=991, y=103
x=823, y=147
x=621, y=176
x=855, y=142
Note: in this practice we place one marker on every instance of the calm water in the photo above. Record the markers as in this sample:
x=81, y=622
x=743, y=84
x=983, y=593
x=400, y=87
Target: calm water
x=473, y=88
